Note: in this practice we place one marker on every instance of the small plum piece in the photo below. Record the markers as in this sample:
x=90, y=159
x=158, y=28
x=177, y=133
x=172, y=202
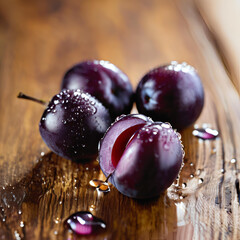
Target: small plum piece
x=171, y=93
x=143, y=160
x=104, y=81
x=73, y=123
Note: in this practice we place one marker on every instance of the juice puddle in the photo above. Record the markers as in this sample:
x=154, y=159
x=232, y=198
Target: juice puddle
x=84, y=223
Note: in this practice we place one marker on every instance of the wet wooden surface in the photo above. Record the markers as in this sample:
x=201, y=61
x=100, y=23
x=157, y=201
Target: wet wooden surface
x=41, y=39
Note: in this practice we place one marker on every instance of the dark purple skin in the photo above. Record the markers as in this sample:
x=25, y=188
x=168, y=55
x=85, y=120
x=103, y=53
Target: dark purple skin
x=171, y=93
x=147, y=165
x=104, y=81
x=73, y=124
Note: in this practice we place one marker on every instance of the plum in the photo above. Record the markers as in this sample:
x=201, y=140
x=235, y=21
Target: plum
x=143, y=158
x=73, y=123
x=171, y=93
x=104, y=81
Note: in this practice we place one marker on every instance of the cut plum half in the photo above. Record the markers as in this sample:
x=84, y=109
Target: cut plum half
x=141, y=157
x=116, y=138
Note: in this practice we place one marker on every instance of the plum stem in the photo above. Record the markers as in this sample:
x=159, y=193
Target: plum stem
x=24, y=96
x=108, y=177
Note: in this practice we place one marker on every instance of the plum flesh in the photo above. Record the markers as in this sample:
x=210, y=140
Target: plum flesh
x=144, y=160
x=121, y=129
x=171, y=93
x=73, y=123
x=104, y=81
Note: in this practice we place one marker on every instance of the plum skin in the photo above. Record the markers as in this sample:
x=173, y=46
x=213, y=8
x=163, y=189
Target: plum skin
x=171, y=93
x=104, y=81
x=149, y=163
x=73, y=123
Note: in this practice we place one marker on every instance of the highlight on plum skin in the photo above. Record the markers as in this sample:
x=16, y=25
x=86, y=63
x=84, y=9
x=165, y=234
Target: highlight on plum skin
x=171, y=93
x=103, y=80
x=143, y=157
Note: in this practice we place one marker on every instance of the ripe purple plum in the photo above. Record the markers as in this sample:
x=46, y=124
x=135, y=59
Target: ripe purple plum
x=171, y=93
x=104, y=81
x=143, y=158
x=73, y=123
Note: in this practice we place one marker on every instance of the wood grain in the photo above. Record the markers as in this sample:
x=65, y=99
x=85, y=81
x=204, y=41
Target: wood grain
x=39, y=190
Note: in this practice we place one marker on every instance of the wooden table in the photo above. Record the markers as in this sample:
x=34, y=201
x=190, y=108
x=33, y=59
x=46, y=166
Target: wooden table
x=40, y=40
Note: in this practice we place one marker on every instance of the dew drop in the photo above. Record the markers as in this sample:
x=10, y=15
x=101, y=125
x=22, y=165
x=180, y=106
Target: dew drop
x=166, y=146
x=19, y=212
x=184, y=185
x=222, y=170
x=205, y=133
x=57, y=220
x=92, y=208
x=104, y=187
x=84, y=223
x=191, y=164
x=200, y=180
x=198, y=172
x=191, y=175
x=155, y=131
x=17, y=235
x=21, y=224
x=233, y=160
x=166, y=125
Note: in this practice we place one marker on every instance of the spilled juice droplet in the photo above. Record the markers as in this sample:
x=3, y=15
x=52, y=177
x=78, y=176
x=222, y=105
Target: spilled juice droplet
x=104, y=187
x=96, y=183
x=205, y=133
x=84, y=223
